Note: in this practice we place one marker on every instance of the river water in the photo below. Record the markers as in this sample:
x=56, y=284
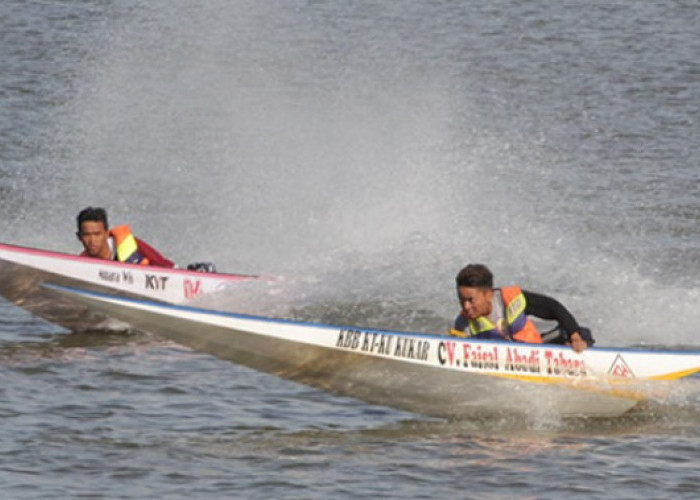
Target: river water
x=363, y=152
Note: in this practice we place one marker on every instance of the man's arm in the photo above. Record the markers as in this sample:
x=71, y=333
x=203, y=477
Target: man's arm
x=546, y=307
x=154, y=257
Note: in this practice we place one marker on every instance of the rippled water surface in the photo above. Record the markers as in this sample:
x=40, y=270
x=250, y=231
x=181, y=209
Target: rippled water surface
x=362, y=152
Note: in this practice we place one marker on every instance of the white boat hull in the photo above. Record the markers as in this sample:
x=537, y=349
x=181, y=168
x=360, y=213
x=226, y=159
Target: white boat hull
x=422, y=373
x=22, y=270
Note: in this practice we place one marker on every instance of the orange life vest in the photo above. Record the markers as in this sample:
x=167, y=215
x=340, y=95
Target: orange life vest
x=517, y=327
x=126, y=247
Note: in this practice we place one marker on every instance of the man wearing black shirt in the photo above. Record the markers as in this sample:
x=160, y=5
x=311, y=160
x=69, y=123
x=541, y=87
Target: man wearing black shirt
x=502, y=313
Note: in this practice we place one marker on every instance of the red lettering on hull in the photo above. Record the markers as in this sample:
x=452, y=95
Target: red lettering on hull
x=192, y=289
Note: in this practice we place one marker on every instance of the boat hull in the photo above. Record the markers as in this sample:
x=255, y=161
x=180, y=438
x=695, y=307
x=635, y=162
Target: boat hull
x=22, y=270
x=429, y=374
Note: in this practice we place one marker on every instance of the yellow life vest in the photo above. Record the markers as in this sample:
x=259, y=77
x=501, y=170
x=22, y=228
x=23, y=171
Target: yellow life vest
x=517, y=326
x=127, y=249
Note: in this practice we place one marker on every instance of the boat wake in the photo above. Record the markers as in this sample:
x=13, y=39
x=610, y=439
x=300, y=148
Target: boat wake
x=316, y=300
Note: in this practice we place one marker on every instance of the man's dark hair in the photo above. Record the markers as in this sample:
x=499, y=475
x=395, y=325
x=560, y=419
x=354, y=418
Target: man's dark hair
x=475, y=275
x=92, y=214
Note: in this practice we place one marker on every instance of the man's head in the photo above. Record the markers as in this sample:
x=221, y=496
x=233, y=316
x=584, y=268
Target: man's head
x=475, y=290
x=93, y=232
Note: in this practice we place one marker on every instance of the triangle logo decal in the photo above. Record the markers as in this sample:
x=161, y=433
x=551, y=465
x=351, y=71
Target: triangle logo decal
x=619, y=368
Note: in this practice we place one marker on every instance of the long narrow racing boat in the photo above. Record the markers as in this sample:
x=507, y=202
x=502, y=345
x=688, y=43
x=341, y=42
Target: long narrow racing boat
x=23, y=269
x=423, y=373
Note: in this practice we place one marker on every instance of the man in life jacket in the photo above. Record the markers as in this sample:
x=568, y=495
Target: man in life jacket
x=118, y=243
x=502, y=313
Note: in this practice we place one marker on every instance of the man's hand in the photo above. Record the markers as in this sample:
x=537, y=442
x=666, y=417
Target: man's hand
x=576, y=342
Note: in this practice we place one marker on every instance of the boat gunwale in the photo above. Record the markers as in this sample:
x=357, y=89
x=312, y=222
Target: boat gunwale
x=16, y=249
x=326, y=326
